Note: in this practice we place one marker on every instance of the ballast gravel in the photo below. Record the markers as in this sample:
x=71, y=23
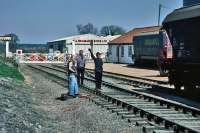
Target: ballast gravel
x=33, y=107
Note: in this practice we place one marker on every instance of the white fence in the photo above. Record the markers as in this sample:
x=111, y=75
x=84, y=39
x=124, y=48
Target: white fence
x=46, y=58
x=40, y=58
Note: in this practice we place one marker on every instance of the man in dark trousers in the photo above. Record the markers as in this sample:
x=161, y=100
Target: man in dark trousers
x=98, y=68
x=80, y=60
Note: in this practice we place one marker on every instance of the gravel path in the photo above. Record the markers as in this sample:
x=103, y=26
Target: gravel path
x=75, y=115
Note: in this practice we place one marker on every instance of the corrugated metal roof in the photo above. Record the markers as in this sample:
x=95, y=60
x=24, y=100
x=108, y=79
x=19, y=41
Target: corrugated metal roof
x=71, y=37
x=127, y=37
x=85, y=37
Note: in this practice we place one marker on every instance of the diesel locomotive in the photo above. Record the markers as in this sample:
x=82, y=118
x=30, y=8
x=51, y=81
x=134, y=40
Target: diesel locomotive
x=149, y=48
x=181, y=52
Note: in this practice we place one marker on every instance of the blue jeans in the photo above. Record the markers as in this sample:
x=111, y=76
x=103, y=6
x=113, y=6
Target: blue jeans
x=73, y=86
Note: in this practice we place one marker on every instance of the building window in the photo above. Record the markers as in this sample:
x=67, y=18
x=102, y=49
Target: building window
x=130, y=51
x=122, y=51
x=110, y=50
x=117, y=51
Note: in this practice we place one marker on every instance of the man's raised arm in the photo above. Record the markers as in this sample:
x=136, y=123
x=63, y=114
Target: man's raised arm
x=92, y=55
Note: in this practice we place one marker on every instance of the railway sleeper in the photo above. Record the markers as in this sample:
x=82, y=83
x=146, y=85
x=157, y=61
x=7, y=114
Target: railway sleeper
x=100, y=103
x=149, y=128
x=126, y=116
x=178, y=127
x=108, y=106
x=164, y=112
x=173, y=115
x=97, y=100
x=111, y=107
x=138, y=101
x=138, y=104
x=142, y=123
x=118, y=110
x=191, y=125
x=156, y=109
x=187, y=129
x=148, y=106
x=124, y=112
x=150, y=116
x=158, y=119
x=144, y=104
x=123, y=97
x=163, y=131
x=134, y=101
x=134, y=120
x=111, y=93
x=189, y=122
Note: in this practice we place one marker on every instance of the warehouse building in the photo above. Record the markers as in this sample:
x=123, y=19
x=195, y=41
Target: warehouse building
x=72, y=44
x=121, y=49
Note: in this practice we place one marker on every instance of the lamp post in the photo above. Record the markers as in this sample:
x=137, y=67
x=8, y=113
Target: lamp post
x=92, y=45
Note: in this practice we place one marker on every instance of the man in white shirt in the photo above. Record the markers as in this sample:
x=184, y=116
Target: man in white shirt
x=80, y=60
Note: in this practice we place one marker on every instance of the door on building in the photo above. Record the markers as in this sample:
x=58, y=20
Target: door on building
x=117, y=53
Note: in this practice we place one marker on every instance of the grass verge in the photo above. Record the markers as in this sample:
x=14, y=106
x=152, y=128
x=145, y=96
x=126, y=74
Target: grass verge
x=10, y=71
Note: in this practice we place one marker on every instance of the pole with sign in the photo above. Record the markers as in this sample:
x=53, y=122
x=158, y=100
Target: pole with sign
x=73, y=48
x=92, y=45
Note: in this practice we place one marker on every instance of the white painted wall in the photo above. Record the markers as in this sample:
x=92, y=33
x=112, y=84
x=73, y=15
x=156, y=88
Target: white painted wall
x=83, y=42
x=97, y=48
x=8, y=53
x=127, y=59
x=113, y=54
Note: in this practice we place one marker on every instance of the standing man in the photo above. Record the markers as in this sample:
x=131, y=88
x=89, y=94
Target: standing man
x=98, y=68
x=80, y=60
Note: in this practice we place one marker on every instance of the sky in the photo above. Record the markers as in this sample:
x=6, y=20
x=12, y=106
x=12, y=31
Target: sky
x=39, y=21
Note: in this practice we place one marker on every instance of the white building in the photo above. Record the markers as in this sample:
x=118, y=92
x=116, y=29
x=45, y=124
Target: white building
x=121, y=49
x=7, y=40
x=72, y=44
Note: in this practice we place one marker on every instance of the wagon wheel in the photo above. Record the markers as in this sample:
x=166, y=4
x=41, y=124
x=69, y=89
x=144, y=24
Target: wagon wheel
x=177, y=87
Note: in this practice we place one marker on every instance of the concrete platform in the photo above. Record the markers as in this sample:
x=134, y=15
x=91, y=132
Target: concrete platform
x=130, y=70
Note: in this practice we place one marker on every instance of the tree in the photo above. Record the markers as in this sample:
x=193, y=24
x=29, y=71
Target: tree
x=87, y=29
x=111, y=30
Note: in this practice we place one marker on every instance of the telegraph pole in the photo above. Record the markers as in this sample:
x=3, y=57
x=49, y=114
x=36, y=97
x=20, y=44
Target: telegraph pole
x=159, y=12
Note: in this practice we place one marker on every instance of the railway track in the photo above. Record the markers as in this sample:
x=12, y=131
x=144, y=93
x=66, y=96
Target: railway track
x=129, y=80
x=155, y=114
x=141, y=84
